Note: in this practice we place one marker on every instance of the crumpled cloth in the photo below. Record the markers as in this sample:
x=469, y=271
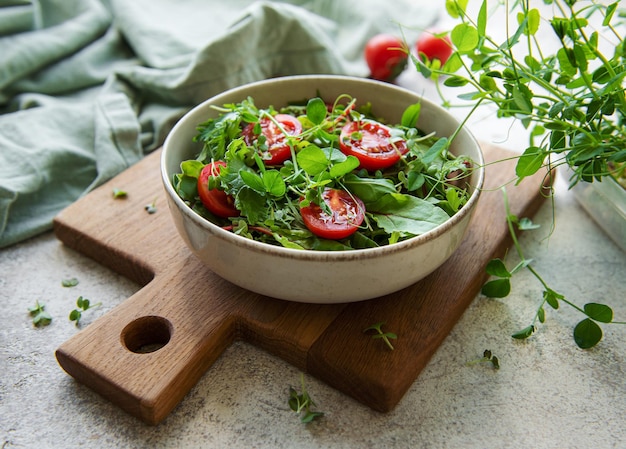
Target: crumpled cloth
x=88, y=87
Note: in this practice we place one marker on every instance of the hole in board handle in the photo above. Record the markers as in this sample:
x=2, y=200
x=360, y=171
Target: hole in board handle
x=146, y=334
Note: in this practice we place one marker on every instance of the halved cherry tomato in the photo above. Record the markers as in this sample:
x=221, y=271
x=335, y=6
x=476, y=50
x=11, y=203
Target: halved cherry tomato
x=434, y=47
x=278, y=150
x=348, y=213
x=216, y=201
x=385, y=57
x=371, y=143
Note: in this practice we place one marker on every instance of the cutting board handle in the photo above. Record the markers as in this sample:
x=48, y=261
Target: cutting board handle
x=149, y=351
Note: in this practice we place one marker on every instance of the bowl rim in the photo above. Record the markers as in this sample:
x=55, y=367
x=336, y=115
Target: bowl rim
x=319, y=255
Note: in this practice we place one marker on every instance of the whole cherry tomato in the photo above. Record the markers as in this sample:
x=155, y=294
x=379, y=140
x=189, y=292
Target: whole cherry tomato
x=216, y=201
x=278, y=150
x=370, y=142
x=432, y=46
x=348, y=212
x=385, y=57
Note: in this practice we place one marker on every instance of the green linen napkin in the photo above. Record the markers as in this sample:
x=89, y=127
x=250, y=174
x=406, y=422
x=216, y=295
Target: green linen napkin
x=88, y=87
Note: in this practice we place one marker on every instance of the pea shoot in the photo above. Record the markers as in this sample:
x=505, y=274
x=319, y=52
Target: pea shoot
x=71, y=282
x=384, y=336
x=571, y=100
x=587, y=332
x=487, y=357
x=39, y=315
x=302, y=404
x=82, y=305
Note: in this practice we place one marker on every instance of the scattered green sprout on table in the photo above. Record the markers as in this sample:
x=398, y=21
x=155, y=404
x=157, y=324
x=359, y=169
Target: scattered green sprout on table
x=587, y=332
x=39, y=314
x=151, y=208
x=302, y=403
x=119, y=193
x=487, y=357
x=385, y=336
x=71, y=282
x=82, y=304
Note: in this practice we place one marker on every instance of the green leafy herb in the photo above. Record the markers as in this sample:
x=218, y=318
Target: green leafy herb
x=118, y=193
x=82, y=304
x=487, y=357
x=72, y=282
x=385, y=336
x=39, y=314
x=302, y=404
x=587, y=332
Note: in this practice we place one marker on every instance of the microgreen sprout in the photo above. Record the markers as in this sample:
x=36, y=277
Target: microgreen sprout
x=302, y=403
x=487, y=357
x=587, y=332
x=39, y=314
x=385, y=336
x=151, y=208
x=72, y=282
x=119, y=193
x=82, y=304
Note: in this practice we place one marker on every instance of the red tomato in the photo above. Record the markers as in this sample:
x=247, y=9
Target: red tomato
x=348, y=214
x=385, y=57
x=433, y=47
x=371, y=143
x=278, y=150
x=216, y=201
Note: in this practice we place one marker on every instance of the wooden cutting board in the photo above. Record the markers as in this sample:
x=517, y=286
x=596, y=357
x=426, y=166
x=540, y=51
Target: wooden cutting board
x=192, y=315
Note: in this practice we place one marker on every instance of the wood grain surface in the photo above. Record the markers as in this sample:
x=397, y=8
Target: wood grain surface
x=192, y=315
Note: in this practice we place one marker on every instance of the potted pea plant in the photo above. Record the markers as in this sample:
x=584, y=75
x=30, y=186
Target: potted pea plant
x=573, y=104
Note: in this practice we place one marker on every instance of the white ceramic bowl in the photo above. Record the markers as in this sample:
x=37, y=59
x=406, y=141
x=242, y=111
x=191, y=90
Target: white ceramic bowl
x=307, y=275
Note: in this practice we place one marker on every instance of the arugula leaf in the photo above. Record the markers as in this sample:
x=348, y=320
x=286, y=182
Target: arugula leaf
x=186, y=187
x=251, y=204
x=369, y=190
x=396, y=212
x=216, y=134
x=435, y=151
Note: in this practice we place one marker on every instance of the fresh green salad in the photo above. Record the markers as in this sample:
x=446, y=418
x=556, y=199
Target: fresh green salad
x=322, y=176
